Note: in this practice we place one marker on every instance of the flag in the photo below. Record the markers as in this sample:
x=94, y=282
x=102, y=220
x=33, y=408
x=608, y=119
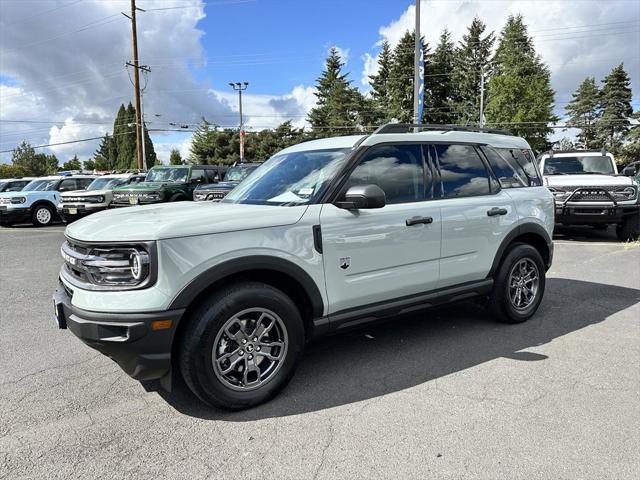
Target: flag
x=421, y=84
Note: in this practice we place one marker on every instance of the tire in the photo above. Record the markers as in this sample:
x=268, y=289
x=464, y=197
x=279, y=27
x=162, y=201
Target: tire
x=42, y=215
x=177, y=198
x=213, y=334
x=629, y=230
x=501, y=303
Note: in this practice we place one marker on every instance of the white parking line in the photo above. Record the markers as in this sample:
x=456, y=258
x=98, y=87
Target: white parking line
x=32, y=230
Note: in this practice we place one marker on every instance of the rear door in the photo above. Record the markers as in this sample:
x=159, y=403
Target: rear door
x=476, y=214
x=373, y=255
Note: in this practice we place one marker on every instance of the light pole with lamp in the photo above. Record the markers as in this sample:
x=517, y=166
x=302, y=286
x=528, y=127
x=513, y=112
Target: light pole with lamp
x=240, y=87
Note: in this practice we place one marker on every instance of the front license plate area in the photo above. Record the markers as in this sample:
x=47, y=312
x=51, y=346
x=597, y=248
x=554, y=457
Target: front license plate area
x=73, y=211
x=132, y=200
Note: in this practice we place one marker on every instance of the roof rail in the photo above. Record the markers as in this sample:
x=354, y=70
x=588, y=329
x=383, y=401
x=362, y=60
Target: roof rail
x=407, y=127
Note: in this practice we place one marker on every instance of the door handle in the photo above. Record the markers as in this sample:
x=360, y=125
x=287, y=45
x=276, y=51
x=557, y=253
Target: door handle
x=497, y=211
x=418, y=220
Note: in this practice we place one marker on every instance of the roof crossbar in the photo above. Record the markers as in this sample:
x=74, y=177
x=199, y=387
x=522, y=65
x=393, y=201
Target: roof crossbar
x=408, y=127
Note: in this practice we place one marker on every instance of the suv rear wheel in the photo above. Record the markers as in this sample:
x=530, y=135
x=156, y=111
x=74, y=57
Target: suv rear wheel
x=519, y=284
x=42, y=215
x=241, y=345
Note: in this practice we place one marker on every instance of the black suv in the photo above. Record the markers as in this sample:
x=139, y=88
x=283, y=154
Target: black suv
x=217, y=191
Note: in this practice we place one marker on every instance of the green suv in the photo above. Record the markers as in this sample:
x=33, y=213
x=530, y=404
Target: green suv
x=172, y=183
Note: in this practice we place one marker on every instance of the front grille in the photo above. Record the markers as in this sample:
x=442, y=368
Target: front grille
x=215, y=194
x=591, y=195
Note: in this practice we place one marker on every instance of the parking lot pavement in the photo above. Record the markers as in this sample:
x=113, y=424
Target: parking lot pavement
x=446, y=394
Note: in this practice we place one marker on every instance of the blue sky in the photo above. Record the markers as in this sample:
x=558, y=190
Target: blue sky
x=62, y=61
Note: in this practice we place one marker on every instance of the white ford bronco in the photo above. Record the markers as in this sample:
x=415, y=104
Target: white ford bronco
x=589, y=191
x=326, y=235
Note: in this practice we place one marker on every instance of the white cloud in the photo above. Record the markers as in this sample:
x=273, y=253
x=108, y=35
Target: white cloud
x=572, y=52
x=371, y=67
x=163, y=149
x=268, y=111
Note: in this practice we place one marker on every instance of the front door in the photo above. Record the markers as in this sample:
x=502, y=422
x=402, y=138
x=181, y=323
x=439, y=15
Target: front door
x=373, y=255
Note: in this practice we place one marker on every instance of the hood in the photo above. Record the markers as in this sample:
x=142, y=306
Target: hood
x=52, y=193
x=180, y=219
x=218, y=186
x=586, y=180
x=84, y=193
x=144, y=186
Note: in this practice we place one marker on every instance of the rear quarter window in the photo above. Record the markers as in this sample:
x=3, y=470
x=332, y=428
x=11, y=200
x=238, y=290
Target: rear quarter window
x=521, y=162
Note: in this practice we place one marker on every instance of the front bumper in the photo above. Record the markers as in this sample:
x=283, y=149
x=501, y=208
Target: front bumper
x=75, y=212
x=14, y=215
x=129, y=339
x=572, y=214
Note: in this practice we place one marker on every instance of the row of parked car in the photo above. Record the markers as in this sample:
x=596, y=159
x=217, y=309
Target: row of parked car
x=42, y=200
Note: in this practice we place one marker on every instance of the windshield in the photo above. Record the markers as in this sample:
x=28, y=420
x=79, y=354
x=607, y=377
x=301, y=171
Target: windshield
x=578, y=165
x=105, y=183
x=295, y=178
x=238, y=173
x=179, y=174
x=41, y=185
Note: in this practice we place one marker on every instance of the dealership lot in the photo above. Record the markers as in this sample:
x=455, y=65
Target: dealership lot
x=446, y=394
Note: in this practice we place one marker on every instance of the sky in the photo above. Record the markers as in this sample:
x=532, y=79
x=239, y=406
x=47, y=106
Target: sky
x=63, y=74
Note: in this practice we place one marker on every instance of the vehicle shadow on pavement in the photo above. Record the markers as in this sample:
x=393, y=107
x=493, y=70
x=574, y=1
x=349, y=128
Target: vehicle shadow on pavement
x=403, y=353
x=585, y=234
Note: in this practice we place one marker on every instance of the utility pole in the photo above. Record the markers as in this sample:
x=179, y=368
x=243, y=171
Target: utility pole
x=240, y=87
x=136, y=83
x=416, y=67
x=481, y=121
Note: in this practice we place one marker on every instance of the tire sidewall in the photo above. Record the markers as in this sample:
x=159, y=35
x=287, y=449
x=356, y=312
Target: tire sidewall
x=212, y=317
x=501, y=300
x=34, y=216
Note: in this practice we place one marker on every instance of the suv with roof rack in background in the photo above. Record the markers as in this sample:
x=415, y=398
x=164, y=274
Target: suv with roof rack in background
x=589, y=191
x=97, y=196
x=326, y=235
x=37, y=202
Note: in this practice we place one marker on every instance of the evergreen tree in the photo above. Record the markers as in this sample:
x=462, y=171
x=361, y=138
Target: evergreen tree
x=124, y=133
x=583, y=111
x=631, y=150
x=379, y=102
x=615, y=103
x=175, y=158
x=202, y=144
x=338, y=102
x=106, y=156
x=440, y=87
x=520, y=97
x=149, y=151
x=472, y=60
x=400, y=83
x=73, y=164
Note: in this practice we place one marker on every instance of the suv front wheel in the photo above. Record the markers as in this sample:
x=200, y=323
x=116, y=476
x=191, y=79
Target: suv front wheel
x=518, y=285
x=42, y=215
x=241, y=345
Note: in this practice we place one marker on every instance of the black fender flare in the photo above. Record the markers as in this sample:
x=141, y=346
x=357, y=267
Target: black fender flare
x=532, y=228
x=247, y=264
x=38, y=203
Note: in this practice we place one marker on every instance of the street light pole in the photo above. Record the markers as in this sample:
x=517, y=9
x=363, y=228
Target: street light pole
x=240, y=87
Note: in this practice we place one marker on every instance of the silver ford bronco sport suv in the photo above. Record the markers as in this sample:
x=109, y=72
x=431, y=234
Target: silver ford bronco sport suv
x=326, y=235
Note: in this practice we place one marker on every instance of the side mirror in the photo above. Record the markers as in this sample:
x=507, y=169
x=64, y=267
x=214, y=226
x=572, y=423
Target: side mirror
x=363, y=196
x=629, y=171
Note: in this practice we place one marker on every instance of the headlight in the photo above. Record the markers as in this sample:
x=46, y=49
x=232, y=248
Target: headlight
x=18, y=200
x=119, y=267
x=624, y=193
x=198, y=197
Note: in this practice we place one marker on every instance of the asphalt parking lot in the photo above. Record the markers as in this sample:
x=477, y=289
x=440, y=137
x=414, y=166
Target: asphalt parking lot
x=446, y=394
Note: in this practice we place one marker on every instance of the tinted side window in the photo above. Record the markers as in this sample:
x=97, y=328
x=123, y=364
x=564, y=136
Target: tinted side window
x=68, y=185
x=462, y=172
x=523, y=162
x=396, y=169
x=198, y=176
x=509, y=174
x=84, y=182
